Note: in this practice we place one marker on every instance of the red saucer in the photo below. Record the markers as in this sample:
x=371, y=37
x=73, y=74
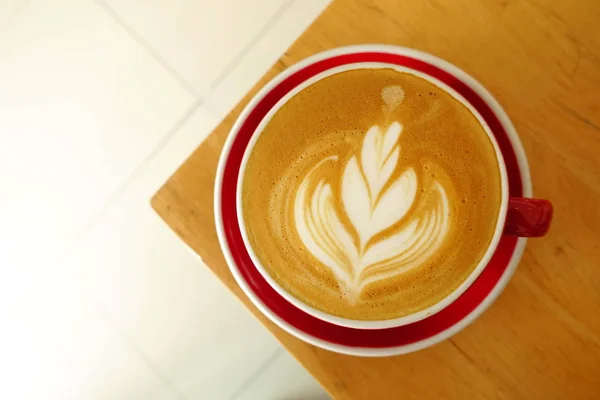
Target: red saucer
x=309, y=325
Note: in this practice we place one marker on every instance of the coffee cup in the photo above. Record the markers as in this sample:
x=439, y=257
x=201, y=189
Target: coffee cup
x=318, y=197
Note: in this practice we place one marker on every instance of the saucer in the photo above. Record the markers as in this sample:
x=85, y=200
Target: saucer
x=373, y=342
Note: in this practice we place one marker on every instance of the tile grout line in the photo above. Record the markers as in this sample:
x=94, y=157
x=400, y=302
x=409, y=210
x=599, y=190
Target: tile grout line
x=122, y=187
x=148, y=362
x=257, y=372
x=249, y=46
x=200, y=101
x=187, y=86
x=115, y=195
x=172, y=71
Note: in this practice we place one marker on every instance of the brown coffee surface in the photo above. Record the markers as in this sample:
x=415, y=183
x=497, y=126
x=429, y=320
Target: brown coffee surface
x=371, y=194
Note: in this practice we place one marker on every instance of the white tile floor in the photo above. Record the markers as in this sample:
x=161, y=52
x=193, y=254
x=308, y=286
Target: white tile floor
x=100, y=101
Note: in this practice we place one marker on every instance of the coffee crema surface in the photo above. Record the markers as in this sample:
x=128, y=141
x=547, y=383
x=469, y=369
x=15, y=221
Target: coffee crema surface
x=371, y=194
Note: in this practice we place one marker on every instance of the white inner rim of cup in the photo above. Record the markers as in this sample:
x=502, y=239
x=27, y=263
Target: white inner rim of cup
x=389, y=323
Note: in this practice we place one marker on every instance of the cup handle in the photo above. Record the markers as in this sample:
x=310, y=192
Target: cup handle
x=528, y=217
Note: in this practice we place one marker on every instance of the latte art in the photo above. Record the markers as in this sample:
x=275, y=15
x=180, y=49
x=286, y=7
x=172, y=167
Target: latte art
x=373, y=202
x=370, y=194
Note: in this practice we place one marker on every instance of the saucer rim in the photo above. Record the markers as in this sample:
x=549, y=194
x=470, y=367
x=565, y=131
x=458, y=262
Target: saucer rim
x=443, y=334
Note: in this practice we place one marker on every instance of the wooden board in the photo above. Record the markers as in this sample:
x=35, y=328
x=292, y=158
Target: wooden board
x=541, y=59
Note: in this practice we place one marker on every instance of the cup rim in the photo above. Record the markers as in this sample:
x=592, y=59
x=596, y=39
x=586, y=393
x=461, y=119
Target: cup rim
x=371, y=324
x=332, y=337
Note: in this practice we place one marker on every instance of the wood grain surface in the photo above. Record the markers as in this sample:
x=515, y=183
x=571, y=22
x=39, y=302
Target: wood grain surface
x=541, y=59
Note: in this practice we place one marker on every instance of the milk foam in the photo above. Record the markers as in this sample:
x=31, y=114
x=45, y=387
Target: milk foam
x=369, y=194
x=373, y=202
